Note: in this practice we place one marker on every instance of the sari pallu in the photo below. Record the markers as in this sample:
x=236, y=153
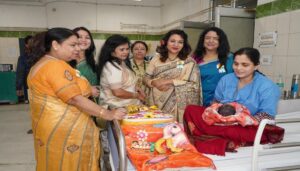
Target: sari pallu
x=114, y=78
x=186, y=89
x=87, y=72
x=212, y=139
x=140, y=72
x=65, y=139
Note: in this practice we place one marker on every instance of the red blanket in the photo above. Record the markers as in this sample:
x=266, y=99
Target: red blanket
x=242, y=115
x=212, y=139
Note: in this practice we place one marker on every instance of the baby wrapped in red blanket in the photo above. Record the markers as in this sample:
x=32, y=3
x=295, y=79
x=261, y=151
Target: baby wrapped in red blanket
x=228, y=114
x=216, y=139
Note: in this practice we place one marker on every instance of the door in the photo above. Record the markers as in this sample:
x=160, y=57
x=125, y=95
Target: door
x=193, y=30
x=238, y=24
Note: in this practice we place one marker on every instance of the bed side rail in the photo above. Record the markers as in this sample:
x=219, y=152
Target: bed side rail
x=297, y=167
x=119, y=137
x=258, y=147
x=289, y=120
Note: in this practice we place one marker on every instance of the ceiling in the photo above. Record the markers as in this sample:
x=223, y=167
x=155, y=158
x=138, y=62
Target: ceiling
x=22, y=0
x=156, y=3
x=119, y=2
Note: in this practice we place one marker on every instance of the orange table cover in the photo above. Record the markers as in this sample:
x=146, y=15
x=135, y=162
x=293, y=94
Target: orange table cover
x=146, y=159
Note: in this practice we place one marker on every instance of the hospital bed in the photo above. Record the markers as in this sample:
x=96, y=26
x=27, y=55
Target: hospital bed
x=268, y=157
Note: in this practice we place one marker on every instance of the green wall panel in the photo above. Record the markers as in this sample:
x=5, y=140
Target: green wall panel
x=264, y=10
x=277, y=7
x=295, y=4
x=281, y=6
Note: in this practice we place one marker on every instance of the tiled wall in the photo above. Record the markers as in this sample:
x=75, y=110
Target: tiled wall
x=281, y=16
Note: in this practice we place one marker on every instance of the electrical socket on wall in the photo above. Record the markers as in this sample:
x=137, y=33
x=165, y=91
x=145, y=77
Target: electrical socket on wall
x=266, y=60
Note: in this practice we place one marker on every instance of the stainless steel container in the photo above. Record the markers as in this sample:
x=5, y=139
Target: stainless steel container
x=295, y=86
x=286, y=94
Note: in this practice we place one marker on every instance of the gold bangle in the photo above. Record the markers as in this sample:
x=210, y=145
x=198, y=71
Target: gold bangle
x=101, y=112
x=134, y=95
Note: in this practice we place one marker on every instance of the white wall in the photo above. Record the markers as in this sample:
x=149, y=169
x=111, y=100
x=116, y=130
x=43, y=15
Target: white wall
x=110, y=17
x=22, y=16
x=174, y=10
x=97, y=17
x=103, y=15
x=71, y=15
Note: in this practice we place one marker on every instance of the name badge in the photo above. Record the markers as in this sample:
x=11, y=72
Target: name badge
x=180, y=64
x=221, y=69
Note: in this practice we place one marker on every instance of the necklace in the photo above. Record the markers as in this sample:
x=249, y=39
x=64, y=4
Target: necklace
x=172, y=59
x=137, y=66
x=49, y=56
x=140, y=73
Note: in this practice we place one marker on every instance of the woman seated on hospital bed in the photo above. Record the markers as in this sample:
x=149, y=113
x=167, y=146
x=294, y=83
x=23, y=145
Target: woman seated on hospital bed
x=248, y=87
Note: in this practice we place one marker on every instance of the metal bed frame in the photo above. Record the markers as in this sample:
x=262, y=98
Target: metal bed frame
x=252, y=155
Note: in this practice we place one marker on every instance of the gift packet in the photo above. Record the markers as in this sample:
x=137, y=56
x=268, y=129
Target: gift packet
x=141, y=115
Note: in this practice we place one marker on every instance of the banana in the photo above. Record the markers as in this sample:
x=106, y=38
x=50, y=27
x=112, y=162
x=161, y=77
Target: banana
x=158, y=146
x=169, y=142
x=153, y=107
x=171, y=147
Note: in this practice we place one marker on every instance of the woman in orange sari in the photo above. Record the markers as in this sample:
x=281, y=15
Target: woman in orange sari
x=65, y=136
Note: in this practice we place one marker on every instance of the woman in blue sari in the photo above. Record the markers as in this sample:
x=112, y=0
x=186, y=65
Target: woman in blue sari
x=213, y=56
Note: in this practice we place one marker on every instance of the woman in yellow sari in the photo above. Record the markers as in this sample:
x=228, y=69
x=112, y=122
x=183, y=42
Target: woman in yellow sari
x=139, y=62
x=65, y=136
x=173, y=76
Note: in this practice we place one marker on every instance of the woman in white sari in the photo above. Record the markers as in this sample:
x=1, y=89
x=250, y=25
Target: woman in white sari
x=117, y=79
